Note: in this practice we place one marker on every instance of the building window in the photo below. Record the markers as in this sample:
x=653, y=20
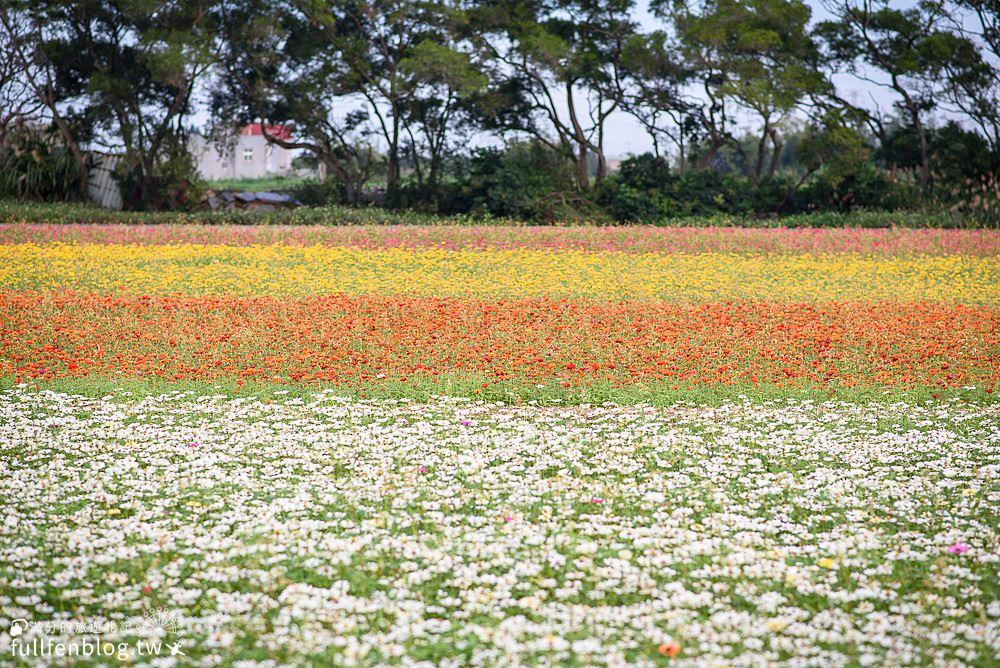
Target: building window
x=248, y=155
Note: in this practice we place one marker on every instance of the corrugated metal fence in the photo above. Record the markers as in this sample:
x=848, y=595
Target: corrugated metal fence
x=102, y=186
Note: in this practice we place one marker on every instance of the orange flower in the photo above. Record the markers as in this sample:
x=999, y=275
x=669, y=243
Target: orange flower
x=367, y=342
x=669, y=649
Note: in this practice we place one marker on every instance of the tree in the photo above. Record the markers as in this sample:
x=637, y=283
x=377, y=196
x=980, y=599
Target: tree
x=30, y=78
x=18, y=99
x=382, y=47
x=123, y=72
x=913, y=50
x=756, y=56
x=974, y=82
x=547, y=55
x=35, y=162
x=655, y=81
x=442, y=79
x=831, y=148
x=987, y=16
x=277, y=69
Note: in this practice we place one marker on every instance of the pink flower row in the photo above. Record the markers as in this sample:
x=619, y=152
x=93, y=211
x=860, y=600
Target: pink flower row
x=893, y=241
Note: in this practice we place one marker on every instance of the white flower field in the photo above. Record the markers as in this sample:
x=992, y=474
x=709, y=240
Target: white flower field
x=325, y=530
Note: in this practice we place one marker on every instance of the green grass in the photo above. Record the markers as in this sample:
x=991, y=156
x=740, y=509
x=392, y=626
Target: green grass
x=552, y=394
x=264, y=183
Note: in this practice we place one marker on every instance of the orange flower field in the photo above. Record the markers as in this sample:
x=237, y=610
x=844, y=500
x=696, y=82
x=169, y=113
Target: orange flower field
x=773, y=312
x=372, y=340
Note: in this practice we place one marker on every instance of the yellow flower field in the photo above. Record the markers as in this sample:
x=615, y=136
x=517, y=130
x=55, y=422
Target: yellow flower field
x=290, y=271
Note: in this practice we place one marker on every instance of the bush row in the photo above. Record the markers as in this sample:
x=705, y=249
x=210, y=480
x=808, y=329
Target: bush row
x=64, y=213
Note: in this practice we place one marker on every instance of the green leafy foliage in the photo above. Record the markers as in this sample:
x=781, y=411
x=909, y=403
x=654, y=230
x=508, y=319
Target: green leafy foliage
x=64, y=213
x=528, y=181
x=35, y=166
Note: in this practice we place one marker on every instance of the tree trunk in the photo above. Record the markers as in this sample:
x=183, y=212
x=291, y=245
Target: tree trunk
x=342, y=174
x=925, y=167
x=602, y=160
x=433, y=177
x=582, y=174
x=775, y=155
x=354, y=182
x=393, y=176
x=757, y=170
x=74, y=148
x=682, y=165
x=706, y=160
x=918, y=126
x=350, y=194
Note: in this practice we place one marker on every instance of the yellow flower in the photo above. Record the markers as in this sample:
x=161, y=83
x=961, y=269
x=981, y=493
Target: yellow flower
x=777, y=625
x=827, y=562
x=295, y=271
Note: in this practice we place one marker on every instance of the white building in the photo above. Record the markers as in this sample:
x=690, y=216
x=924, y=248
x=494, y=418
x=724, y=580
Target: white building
x=251, y=156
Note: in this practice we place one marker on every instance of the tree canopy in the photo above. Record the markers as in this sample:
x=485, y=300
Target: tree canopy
x=410, y=92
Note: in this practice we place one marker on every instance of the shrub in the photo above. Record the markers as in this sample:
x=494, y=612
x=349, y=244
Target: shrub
x=526, y=180
x=319, y=193
x=63, y=213
x=645, y=190
x=978, y=198
x=866, y=187
x=35, y=166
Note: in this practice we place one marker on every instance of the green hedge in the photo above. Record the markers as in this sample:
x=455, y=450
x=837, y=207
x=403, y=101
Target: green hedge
x=62, y=213
x=33, y=212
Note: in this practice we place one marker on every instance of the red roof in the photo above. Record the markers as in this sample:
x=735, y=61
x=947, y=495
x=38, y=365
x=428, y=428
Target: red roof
x=282, y=132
